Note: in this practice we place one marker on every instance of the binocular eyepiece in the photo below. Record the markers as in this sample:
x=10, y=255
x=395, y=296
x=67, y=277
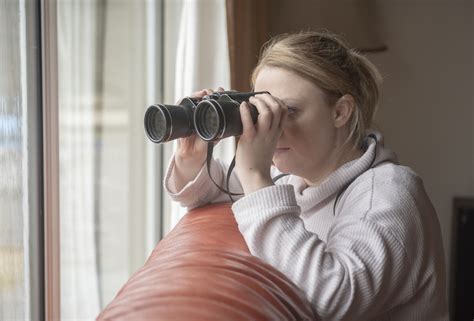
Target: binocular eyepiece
x=213, y=117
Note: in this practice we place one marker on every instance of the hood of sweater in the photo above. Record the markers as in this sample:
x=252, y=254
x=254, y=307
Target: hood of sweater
x=375, y=153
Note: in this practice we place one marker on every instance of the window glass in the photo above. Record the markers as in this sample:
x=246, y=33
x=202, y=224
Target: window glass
x=12, y=275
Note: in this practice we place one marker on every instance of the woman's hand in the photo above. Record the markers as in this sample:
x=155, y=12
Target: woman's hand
x=258, y=141
x=191, y=152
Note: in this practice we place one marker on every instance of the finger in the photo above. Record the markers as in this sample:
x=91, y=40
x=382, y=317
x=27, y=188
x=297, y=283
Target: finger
x=198, y=94
x=276, y=106
x=248, y=127
x=284, y=118
x=265, y=115
x=199, y=144
x=283, y=110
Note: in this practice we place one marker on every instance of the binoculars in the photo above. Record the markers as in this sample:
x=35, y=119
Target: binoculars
x=215, y=116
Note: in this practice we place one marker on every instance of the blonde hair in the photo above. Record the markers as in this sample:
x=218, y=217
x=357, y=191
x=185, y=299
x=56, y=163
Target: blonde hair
x=326, y=60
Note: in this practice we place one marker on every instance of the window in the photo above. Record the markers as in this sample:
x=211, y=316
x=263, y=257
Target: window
x=20, y=148
x=103, y=63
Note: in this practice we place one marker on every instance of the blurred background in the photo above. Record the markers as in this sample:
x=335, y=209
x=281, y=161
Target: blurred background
x=114, y=58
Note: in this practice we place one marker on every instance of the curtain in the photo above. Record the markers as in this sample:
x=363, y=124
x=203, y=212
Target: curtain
x=104, y=88
x=252, y=22
x=103, y=75
x=77, y=64
x=202, y=61
x=356, y=20
x=247, y=32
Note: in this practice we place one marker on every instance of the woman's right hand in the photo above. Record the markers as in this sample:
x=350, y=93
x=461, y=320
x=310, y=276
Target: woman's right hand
x=192, y=151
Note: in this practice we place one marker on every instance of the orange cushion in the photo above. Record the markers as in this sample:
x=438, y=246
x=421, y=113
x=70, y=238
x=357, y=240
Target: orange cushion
x=202, y=270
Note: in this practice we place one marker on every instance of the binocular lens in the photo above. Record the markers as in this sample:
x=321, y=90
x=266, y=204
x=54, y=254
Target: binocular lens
x=210, y=124
x=156, y=124
x=208, y=120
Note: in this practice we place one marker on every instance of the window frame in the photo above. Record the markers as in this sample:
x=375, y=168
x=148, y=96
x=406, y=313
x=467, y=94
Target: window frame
x=50, y=122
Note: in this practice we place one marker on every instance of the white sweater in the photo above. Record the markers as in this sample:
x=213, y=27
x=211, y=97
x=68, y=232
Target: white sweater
x=378, y=256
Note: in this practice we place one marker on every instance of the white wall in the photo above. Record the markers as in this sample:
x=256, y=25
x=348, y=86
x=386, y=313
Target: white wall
x=427, y=105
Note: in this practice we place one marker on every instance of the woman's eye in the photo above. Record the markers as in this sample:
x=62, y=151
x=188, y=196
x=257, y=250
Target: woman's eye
x=291, y=110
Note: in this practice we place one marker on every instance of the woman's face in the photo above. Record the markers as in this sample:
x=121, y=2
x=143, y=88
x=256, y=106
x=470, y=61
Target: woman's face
x=306, y=147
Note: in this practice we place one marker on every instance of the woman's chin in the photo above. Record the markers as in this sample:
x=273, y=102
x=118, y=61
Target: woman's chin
x=281, y=166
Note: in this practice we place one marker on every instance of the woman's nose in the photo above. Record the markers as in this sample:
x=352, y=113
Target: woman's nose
x=282, y=133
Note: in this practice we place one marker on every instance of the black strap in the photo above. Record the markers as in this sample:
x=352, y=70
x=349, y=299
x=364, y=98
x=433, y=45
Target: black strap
x=210, y=149
x=227, y=179
x=274, y=179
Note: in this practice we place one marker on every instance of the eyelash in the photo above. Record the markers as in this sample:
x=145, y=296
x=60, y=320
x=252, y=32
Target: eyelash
x=291, y=110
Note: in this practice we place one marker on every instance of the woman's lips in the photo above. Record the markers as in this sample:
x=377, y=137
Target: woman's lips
x=281, y=150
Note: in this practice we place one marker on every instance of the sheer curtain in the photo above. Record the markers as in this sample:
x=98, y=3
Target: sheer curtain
x=201, y=60
x=102, y=97
x=110, y=68
x=77, y=65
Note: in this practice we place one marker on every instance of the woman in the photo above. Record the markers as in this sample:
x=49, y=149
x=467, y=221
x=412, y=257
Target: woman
x=352, y=228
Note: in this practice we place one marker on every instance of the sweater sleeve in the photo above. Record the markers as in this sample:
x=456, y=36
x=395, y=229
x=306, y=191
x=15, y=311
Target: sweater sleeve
x=201, y=190
x=360, y=272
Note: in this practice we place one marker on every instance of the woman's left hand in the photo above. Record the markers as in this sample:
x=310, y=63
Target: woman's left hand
x=258, y=141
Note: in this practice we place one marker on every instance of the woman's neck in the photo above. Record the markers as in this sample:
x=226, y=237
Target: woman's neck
x=339, y=158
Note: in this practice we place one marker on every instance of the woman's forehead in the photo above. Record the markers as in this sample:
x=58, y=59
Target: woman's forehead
x=285, y=84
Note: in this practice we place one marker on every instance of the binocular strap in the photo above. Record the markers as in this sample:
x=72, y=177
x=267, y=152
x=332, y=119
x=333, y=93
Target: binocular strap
x=210, y=149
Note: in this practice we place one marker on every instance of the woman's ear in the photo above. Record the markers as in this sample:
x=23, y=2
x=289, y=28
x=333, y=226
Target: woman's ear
x=343, y=110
